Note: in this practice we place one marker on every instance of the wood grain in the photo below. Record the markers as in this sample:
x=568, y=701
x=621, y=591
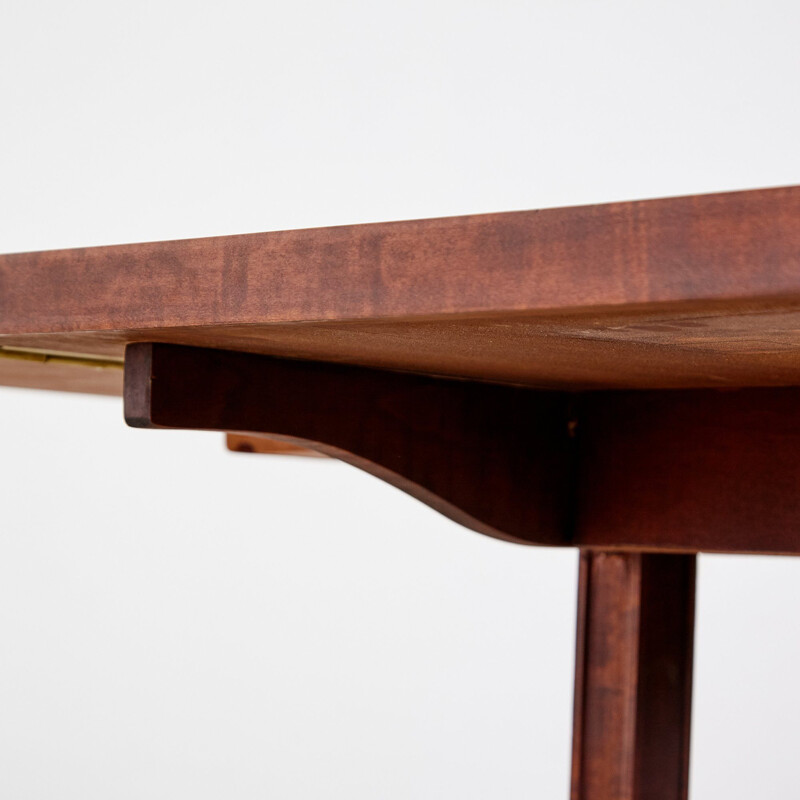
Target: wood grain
x=682, y=292
x=690, y=470
x=740, y=244
x=633, y=678
x=493, y=458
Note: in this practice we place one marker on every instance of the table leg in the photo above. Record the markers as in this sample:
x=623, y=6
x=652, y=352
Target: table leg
x=633, y=677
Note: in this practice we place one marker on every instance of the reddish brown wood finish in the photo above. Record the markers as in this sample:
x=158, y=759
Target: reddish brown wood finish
x=663, y=294
x=716, y=471
x=690, y=470
x=633, y=677
x=739, y=244
x=239, y=443
x=683, y=292
x=493, y=458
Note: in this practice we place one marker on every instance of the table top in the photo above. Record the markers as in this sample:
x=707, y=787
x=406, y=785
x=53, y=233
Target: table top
x=697, y=291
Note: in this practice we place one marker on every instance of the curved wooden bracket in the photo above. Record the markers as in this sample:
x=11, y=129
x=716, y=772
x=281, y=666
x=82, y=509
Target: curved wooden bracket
x=493, y=458
x=683, y=470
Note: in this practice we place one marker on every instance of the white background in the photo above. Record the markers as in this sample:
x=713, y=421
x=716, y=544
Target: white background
x=178, y=621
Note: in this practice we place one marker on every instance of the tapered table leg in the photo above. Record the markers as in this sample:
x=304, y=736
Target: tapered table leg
x=633, y=678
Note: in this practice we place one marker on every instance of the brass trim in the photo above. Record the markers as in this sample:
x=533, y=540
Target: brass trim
x=56, y=357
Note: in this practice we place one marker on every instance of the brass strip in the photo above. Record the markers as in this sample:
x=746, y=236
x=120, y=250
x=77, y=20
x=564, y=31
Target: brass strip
x=56, y=357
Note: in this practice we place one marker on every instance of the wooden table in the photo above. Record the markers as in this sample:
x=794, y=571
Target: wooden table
x=620, y=378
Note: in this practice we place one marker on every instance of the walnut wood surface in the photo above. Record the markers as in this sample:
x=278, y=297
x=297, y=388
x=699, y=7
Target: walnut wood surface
x=493, y=458
x=682, y=292
x=633, y=678
x=695, y=470
x=689, y=470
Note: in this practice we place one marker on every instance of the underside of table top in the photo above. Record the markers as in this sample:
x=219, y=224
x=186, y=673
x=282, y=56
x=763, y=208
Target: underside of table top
x=676, y=293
